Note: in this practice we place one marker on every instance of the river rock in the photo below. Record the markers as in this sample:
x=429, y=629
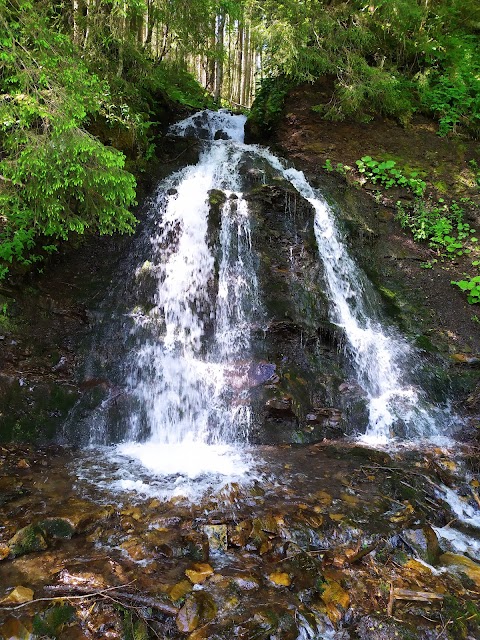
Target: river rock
x=280, y=406
x=59, y=528
x=18, y=596
x=461, y=564
x=17, y=629
x=84, y=516
x=27, y=540
x=199, y=572
x=246, y=583
x=424, y=542
x=239, y=534
x=198, y=608
x=217, y=536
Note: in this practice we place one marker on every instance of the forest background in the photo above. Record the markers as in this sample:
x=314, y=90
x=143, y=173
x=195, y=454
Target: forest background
x=86, y=88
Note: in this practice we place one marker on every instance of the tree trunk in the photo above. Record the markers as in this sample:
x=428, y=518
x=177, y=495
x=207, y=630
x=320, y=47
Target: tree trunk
x=219, y=57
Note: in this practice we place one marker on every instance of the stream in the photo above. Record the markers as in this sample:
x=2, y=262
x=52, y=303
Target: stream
x=271, y=457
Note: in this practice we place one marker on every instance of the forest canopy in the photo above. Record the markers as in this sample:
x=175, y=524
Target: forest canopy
x=81, y=84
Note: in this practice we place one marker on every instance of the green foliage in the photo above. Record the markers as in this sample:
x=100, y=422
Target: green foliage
x=389, y=176
x=464, y=617
x=442, y=226
x=392, y=57
x=269, y=102
x=445, y=230
x=50, y=623
x=471, y=288
x=452, y=89
x=56, y=179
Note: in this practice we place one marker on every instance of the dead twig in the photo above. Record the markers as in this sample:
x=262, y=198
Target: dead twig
x=122, y=596
x=409, y=594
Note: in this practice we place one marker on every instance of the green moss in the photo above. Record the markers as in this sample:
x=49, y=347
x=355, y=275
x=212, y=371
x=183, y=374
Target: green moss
x=27, y=540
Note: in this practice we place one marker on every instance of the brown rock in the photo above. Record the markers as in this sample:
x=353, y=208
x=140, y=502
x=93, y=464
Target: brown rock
x=18, y=596
x=199, y=572
x=280, y=406
x=240, y=534
x=462, y=564
x=280, y=578
x=16, y=629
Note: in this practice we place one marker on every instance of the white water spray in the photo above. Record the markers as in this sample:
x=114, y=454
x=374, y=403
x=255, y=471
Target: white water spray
x=380, y=355
x=190, y=375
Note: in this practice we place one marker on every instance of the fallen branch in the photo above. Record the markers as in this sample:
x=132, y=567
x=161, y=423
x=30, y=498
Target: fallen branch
x=410, y=594
x=89, y=594
x=118, y=594
x=65, y=592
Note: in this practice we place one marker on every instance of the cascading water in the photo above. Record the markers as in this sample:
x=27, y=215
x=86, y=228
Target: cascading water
x=381, y=357
x=190, y=371
x=188, y=376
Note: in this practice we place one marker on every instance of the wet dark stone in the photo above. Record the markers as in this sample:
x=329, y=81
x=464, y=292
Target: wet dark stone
x=371, y=628
x=221, y=135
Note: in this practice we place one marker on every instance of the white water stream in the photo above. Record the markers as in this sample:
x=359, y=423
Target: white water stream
x=190, y=368
x=190, y=376
x=380, y=355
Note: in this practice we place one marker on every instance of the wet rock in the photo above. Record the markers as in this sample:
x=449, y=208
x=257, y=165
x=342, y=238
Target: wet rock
x=246, y=583
x=423, y=542
x=27, y=540
x=136, y=550
x=59, y=528
x=446, y=469
x=84, y=516
x=18, y=596
x=217, y=536
x=199, y=608
x=461, y=564
x=199, y=572
x=221, y=135
x=325, y=414
x=239, y=534
x=17, y=629
x=280, y=406
x=171, y=544
x=466, y=358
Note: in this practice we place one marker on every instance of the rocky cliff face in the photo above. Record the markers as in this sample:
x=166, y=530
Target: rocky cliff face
x=301, y=386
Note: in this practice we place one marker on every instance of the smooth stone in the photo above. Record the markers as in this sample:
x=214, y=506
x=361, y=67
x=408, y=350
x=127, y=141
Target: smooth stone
x=199, y=572
x=18, y=596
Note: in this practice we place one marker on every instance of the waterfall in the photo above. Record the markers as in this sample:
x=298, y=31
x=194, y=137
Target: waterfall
x=381, y=356
x=190, y=373
x=189, y=370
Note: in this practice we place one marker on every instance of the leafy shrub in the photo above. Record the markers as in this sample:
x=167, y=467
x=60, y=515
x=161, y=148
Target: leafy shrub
x=388, y=175
x=441, y=226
